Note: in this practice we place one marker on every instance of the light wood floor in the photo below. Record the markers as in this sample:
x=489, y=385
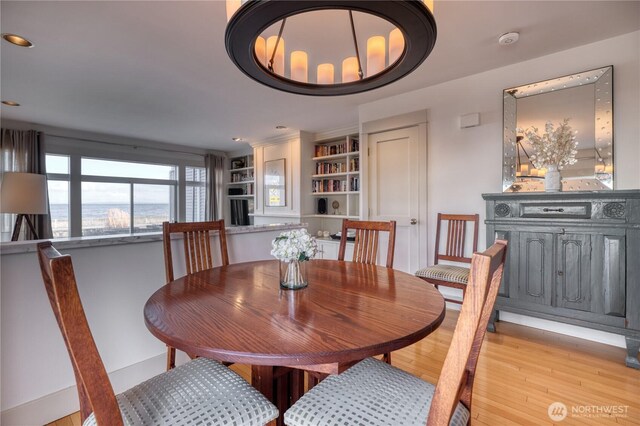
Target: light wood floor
x=521, y=371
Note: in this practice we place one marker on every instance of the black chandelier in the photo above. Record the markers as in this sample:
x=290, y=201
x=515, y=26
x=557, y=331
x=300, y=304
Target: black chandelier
x=410, y=43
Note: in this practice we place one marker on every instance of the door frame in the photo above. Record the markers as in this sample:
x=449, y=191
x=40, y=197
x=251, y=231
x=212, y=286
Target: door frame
x=413, y=119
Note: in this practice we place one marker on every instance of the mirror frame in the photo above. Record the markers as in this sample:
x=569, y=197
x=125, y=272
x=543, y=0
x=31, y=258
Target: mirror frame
x=603, y=177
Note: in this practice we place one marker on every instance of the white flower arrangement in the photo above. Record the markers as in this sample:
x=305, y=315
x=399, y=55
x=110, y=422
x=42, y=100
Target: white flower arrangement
x=556, y=147
x=294, y=245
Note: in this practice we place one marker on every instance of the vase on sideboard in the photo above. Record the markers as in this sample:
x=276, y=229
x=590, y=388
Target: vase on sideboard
x=552, y=180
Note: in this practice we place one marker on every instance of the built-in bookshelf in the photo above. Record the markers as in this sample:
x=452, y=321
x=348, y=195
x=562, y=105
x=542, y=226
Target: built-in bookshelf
x=241, y=189
x=241, y=177
x=336, y=177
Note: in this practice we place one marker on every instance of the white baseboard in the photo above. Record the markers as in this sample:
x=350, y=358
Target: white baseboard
x=566, y=329
x=64, y=402
x=543, y=324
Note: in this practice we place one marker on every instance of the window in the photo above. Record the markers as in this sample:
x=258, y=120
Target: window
x=58, y=192
x=115, y=197
x=121, y=197
x=106, y=208
x=195, y=194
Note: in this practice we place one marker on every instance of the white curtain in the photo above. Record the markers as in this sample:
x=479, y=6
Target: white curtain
x=214, y=165
x=23, y=151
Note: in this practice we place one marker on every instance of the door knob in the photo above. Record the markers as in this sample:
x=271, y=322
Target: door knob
x=414, y=221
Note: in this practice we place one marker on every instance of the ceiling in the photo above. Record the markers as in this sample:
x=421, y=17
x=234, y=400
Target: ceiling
x=158, y=70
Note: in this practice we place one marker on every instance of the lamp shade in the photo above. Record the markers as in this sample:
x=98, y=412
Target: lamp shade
x=23, y=193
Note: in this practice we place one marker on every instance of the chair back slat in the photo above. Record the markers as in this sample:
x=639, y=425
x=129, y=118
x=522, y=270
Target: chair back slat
x=365, y=246
x=94, y=388
x=456, y=237
x=456, y=377
x=197, y=245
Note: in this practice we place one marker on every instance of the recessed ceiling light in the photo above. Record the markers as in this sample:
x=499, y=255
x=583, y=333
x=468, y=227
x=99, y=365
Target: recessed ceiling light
x=237, y=139
x=10, y=103
x=508, y=38
x=281, y=127
x=17, y=40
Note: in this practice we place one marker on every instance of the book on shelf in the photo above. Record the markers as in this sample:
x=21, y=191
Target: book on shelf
x=329, y=185
x=354, y=145
x=238, y=177
x=327, y=168
x=333, y=149
x=355, y=183
x=354, y=165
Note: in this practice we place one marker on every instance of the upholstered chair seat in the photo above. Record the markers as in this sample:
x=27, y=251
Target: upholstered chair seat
x=450, y=273
x=201, y=391
x=371, y=393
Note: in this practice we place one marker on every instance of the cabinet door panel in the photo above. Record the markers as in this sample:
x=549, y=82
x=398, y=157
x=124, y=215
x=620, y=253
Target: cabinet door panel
x=535, y=267
x=613, y=279
x=574, y=271
x=506, y=276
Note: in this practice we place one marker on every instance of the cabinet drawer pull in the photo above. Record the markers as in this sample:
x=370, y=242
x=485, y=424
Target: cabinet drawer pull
x=546, y=209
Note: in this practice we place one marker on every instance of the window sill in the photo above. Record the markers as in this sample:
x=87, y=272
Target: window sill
x=17, y=247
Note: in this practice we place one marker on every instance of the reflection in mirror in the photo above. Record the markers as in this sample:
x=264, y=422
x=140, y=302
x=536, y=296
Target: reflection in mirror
x=586, y=99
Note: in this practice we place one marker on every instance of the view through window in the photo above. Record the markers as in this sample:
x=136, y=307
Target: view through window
x=121, y=197
x=58, y=188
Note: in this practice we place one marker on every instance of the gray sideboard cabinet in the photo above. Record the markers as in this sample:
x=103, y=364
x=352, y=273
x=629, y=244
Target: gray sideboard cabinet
x=573, y=257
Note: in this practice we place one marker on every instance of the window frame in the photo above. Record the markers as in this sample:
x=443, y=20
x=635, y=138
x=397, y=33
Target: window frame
x=124, y=153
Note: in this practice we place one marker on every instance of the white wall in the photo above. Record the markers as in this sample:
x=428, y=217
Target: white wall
x=464, y=163
x=114, y=283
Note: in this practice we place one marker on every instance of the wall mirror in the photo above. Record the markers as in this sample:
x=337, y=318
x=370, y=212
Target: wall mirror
x=586, y=99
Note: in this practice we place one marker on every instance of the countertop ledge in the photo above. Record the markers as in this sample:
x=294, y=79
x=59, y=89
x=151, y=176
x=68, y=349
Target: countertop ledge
x=17, y=247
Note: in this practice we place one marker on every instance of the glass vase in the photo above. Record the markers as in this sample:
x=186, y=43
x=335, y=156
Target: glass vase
x=293, y=275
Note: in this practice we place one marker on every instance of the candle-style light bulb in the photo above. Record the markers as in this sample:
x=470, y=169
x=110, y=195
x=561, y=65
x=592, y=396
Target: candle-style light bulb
x=232, y=7
x=325, y=74
x=350, y=69
x=261, y=50
x=299, y=66
x=396, y=45
x=376, y=53
x=278, y=60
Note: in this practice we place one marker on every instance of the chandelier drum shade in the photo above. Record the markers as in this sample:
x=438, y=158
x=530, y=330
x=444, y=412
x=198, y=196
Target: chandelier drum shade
x=373, y=62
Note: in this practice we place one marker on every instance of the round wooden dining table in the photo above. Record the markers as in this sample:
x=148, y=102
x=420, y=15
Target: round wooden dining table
x=238, y=313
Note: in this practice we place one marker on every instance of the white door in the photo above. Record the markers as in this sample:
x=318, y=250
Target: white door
x=397, y=191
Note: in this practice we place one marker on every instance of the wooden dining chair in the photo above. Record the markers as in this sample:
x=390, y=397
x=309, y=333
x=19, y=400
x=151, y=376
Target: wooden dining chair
x=451, y=275
x=365, y=246
x=197, y=253
x=199, y=392
x=378, y=394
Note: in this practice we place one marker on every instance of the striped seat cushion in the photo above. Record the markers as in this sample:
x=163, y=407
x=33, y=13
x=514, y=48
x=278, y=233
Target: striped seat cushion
x=200, y=392
x=370, y=393
x=456, y=274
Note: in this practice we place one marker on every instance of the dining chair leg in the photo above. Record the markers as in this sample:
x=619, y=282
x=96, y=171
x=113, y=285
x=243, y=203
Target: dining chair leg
x=171, y=357
x=297, y=385
x=282, y=387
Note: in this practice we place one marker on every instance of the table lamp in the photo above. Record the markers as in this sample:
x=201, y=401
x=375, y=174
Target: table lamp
x=23, y=194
